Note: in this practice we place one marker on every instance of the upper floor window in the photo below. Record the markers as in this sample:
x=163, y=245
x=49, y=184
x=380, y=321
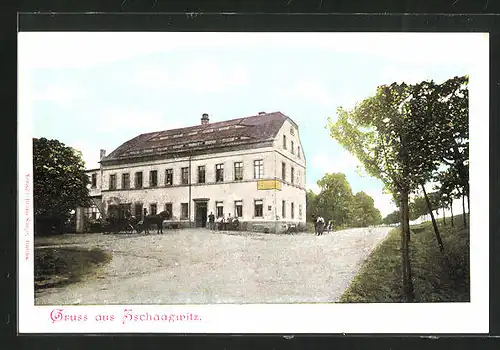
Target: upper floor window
x=238, y=171
x=94, y=180
x=169, y=177
x=292, y=147
x=201, y=174
x=283, y=171
x=153, y=178
x=126, y=181
x=112, y=182
x=258, y=169
x=185, y=176
x=138, y=179
x=284, y=141
x=292, y=175
x=219, y=172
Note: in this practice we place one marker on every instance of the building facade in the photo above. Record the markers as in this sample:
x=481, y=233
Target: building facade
x=251, y=168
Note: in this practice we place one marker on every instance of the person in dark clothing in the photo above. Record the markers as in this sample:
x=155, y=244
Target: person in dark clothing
x=315, y=224
x=211, y=221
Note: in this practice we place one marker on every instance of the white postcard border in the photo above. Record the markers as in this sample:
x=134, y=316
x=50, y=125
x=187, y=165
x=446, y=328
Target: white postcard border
x=434, y=318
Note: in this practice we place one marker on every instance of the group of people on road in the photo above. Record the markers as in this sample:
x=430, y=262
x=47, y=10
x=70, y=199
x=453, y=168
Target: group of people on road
x=320, y=225
x=221, y=222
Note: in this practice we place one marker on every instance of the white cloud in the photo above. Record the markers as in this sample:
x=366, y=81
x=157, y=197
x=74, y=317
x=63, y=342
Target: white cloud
x=341, y=162
x=383, y=202
x=62, y=95
x=309, y=90
x=313, y=187
x=198, y=75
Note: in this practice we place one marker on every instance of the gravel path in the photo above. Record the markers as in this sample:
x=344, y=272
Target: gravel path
x=196, y=266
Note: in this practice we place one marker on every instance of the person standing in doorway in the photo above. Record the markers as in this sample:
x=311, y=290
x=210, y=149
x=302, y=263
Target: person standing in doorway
x=211, y=221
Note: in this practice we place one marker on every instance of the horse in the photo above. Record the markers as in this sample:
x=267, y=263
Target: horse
x=155, y=219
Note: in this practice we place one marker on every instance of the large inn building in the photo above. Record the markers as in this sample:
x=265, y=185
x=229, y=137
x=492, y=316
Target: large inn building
x=253, y=168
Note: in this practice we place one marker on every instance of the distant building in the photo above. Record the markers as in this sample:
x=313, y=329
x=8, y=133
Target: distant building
x=253, y=168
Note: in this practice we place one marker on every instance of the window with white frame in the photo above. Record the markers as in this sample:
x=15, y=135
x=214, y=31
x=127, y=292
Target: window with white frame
x=112, y=182
x=238, y=171
x=184, y=211
x=153, y=208
x=153, y=178
x=169, y=177
x=219, y=172
x=238, y=209
x=258, y=169
x=258, y=208
x=219, y=206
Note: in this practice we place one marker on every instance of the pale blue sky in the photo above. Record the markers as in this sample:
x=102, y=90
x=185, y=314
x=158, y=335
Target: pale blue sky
x=97, y=90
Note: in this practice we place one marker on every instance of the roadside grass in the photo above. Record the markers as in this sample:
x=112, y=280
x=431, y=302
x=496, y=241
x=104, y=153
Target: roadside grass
x=437, y=277
x=56, y=267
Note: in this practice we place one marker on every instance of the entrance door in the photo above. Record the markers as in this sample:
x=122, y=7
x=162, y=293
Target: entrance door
x=201, y=214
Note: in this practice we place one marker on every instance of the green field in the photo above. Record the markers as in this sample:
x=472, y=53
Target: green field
x=437, y=277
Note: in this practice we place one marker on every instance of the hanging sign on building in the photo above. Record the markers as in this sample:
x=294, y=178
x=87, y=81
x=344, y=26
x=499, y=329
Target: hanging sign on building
x=268, y=185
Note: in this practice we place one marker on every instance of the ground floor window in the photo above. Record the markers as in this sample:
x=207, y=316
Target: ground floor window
x=283, y=209
x=292, y=210
x=238, y=209
x=153, y=208
x=184, y=211
x=168, y=209
x=258, y=208
x=219, y=209
x=138, y=210
x=300, y=211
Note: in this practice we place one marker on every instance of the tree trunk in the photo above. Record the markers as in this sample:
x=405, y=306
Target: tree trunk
x=463, y=209
x=444, y=216
x=434, y=223
x=468, y=206
x=405, y=251
x=451, y=208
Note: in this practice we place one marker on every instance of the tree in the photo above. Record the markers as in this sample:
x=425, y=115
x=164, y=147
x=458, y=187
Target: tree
x=60, y=182
x=392, y=218
x=311, y=205
x=364, y=212
x=387, y=133
x=335, y=199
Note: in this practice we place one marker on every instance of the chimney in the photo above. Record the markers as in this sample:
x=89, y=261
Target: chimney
x=103, y=154
x=262, y=113
x=204, y=119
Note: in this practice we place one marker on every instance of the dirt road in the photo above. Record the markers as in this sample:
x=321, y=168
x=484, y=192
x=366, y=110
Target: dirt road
x=196, y=266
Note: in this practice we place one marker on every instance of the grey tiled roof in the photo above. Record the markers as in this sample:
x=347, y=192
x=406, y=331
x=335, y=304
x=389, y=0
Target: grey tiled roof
x=241, y=131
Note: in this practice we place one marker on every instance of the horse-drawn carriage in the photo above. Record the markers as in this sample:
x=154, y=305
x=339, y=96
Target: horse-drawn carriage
x=120, y=220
